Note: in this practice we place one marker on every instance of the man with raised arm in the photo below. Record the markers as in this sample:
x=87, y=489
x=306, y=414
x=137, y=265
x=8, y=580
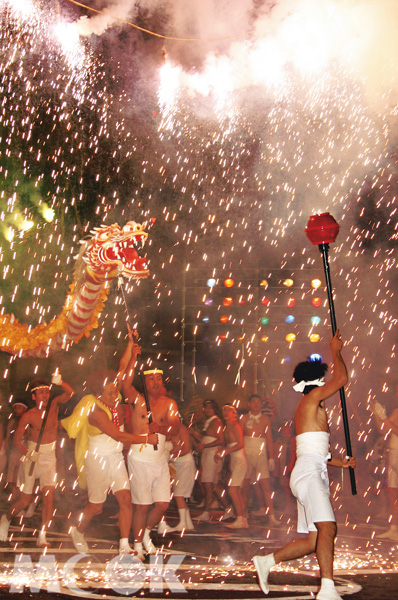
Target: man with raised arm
x=309, y=479
x=148, y=466
x=39, y=464
x=97, y=423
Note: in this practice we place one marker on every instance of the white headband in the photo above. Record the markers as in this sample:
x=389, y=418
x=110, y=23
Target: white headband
x=153, y=372
x=299, y=387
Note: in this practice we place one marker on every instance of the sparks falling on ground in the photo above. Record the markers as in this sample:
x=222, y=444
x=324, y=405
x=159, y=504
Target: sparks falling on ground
x=232, y=148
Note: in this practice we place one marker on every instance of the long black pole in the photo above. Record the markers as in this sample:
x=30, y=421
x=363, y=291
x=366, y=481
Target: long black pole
x=41, y=433
x=148, y=407
x=324, y=249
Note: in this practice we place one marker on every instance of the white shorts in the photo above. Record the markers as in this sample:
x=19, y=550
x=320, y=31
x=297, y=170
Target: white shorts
x=45, y=469
x=185, y=475
x=149, y=481
x=210, y=469
x=238, y=467
x=309, y=483
x=392, y=468
x=257, y=459
x=104, y=473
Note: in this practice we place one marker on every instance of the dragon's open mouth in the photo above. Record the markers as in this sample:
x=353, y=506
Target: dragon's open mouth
x=121, y=250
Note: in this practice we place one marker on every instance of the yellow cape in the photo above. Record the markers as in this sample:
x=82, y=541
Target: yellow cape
x=77, y=426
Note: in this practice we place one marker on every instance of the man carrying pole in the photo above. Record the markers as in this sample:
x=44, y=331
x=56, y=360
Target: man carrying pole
x=40, y=424
x=148, y=467
x=309, y=479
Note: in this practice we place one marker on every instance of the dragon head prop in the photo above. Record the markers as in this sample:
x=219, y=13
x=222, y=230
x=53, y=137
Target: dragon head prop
x=114, y=251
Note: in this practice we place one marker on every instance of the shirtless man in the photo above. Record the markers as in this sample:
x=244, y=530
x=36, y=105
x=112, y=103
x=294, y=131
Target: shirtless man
x=148, y=467
x=97, y=423
x=309, y=480
x=207, y=444
x=44, y=460
x=388, y=425
x=233, y=435
x=259, y=450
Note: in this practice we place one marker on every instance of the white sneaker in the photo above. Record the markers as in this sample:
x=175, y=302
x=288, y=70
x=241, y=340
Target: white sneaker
x=164, y=528
x=229, y=513
x=138, y=549
x=41, y=541
x=78, y=540
x=204, y=516
x=126, y=550
x=331, y=594
x=263, y=566
x=4, y=526
x=148, y=544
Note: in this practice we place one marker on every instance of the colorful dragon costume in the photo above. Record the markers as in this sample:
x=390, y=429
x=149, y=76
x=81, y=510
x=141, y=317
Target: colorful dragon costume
x=111, y=252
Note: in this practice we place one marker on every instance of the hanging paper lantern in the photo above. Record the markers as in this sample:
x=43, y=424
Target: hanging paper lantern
x=208, y=301
x=316, y=302
x=263, y=283
x=315, y=357
x=264, y=338
x=227, y=301
x=229, y=283
x=314, y=337
x=242, y=301
x=265, y=301
x=315, y=320
x=223, y=336
x=288, y=282
x=211, y=282
x=224, y=319
x=316, y=283
x=264, y=320
x=290, y=303
x=206, y=319
x=290, y=337
x=290, y=319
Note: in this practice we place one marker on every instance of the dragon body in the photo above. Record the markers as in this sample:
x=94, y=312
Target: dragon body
x=111, y=252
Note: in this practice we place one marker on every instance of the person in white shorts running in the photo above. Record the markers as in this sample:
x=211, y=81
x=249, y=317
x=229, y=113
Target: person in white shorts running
x=309, y=479
x=148, y=467
x=43, y=460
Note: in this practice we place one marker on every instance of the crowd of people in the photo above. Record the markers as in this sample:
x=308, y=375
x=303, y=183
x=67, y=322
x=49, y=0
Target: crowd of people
x=218, y=459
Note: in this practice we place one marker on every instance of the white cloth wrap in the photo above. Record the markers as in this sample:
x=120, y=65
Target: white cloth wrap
x=185, y=475
x=45, y=468
x=147, y=453
x=238, y=466
x=309, y=480
x=392, y=461
x=105, y=467
x=257, y=458
x=104, y=444
x=210, y=469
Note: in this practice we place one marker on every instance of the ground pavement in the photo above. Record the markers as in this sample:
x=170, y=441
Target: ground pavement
x=210, y=562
